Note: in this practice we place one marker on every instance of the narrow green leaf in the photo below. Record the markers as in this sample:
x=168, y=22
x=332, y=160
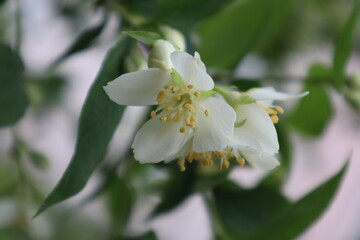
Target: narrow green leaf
x=83, y=41
x=243, y=212
x=297, y=217
x=147, y=38
x=241, y=27
x=344, y=47
x=98, y=120
x=13, y=98
x=314, y=111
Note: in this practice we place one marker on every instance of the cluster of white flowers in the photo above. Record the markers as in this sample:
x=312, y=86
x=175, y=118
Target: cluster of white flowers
x=194, y=119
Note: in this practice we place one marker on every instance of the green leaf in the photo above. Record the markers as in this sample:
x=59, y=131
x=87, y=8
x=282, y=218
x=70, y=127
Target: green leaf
x=344, y=47
x=146, y=236
x=297, y=217
x=13, y=98
x=39, y=160
x=314, y=111
x=243, y=212
x=178, y=187
x=185, y=14
x=83, y=41
x=147, y=38
x=120, y=202
x=98, y=120
x=243, y=26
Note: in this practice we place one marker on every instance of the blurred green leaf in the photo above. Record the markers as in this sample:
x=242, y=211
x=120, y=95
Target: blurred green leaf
x=177, y=188
x=241, y=27
x=13, y=98
x=98, y=120
x=120, y=202
x=147, y=236
x=297, y=217
x=39, y=159
x=344, y=47
x=314, y=111
x=45, y=90
x=147, y=38
x=243, y=212
x=245, y=84
x=83, y=41
x=185, y=14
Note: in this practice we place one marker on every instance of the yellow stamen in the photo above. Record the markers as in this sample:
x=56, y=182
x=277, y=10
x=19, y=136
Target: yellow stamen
x=181, y=164
x=226, y=163
x=271, y=111
x=279, y=109
x=197, y=94
x=169, y=87
x=240, y=161
x=163, y=118
x=153, y=114
x=190, y=86
x=274, y=119
x=182, y=129
x=207, y=112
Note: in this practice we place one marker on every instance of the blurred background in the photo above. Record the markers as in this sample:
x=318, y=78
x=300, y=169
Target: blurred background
x=52, y=50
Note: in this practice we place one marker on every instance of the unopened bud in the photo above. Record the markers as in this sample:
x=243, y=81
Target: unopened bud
x=159, y=55
x=173, y=36
x=135, y=60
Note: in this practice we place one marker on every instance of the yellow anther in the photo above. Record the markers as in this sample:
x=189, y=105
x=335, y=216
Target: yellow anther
x=181, y=164
x=175, y=89
x=168, y=118
x=217, y=154
x=211, y=162
x=207, y=112
x=177, y=97
x=182, y=129
x=197, y=156
x=163, y=118
x=240, y=161
x=274, y=119
x=226, y=163
x=197, y=94
x=169, y=87
x=187, y=105
x=271, y=111
x=192, y=110
x=168, y=109
x=279, y=109
x=190, y=86
x=193, y=125
x=176, y=118
x=229, y=155
x=153, y=114
x=192, y=119
x=205, y=162
x=163, y=93
x=190, y=157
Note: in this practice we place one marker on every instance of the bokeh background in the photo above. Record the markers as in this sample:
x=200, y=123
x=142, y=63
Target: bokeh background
x=291, y=45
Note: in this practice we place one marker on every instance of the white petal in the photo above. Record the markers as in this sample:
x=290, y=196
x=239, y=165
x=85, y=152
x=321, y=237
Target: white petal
x=198, y=61
x=269, y=93
x=261, y=160
x=182, y=153
x=257, y=128
x=157, y=141
x=213, y=132
x=138, y=88
x=191, y=71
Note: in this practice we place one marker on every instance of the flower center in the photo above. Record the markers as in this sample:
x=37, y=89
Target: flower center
x=209, y=158
x=178, y=105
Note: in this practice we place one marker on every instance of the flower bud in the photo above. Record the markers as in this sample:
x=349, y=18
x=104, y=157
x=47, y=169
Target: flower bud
x=159, y=55
x=352, y=92
x=173, y=36
x=135, y=60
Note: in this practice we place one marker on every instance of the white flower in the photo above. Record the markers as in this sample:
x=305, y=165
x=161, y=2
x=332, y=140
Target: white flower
x=187, y=118
x=255, y=138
